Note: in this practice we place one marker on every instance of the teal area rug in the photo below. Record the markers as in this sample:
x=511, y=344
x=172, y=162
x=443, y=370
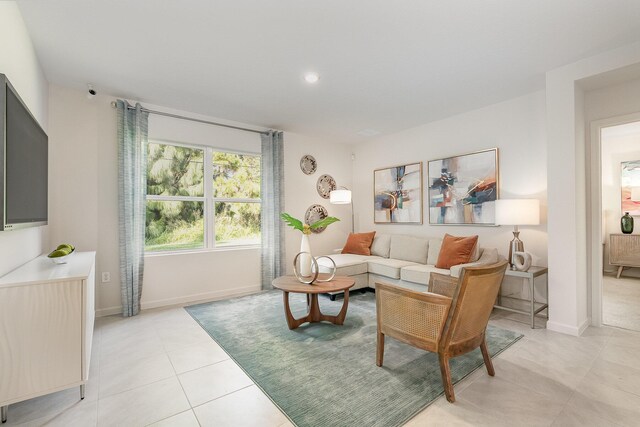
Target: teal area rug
x=326, y=375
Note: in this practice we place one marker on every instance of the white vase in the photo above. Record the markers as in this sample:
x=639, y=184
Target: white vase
x=305, y=259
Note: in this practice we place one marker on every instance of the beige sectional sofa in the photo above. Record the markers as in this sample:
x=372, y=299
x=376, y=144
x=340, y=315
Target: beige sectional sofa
x=399, y=259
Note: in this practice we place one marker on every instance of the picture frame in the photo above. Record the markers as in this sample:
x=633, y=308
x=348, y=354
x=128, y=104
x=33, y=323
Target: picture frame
x=629, y=178
x=397, y=194
x=462, y=189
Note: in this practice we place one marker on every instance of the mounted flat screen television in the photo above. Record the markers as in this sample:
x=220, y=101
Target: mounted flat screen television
x=23, y=163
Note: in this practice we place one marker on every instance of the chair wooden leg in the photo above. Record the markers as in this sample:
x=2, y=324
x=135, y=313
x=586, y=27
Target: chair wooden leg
x=380, y=349
x=446, y=378
x=487, y=357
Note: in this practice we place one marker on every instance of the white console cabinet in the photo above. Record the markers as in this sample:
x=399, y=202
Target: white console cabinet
x=46, y=326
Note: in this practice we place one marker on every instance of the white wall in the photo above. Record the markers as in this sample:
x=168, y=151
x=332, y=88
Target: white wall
x=176, y=278
x=566, y=162
x=19, y=63
x=516, y=127
x=84, y=200
x=615, y=150
x=300, y=191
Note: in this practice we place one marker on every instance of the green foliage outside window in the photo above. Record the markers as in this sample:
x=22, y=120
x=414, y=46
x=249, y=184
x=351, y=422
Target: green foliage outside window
x=236, y=176
x=175, y=171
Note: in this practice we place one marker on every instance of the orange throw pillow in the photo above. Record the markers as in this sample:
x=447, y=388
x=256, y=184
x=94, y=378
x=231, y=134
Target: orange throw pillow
x=456, y=250
x=359, y=243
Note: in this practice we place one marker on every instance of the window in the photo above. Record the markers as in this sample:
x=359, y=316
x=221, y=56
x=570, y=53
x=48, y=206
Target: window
x=185, y=211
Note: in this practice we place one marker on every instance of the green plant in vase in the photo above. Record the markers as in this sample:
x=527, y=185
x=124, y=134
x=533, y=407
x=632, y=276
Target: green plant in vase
x=306, y=229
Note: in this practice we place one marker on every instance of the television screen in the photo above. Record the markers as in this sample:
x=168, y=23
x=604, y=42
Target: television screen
x=25, y=162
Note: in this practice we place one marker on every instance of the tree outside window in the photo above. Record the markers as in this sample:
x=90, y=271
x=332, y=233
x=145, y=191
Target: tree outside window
x=185, y=211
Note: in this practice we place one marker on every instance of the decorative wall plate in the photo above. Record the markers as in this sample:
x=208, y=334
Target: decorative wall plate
x=314, y=214
x=308, y=164
x=325, y=185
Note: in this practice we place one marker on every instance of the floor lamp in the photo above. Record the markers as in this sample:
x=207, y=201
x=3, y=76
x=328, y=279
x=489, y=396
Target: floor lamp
x=342, y=196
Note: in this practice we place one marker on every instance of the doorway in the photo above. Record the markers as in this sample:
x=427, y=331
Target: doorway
x=617, y=274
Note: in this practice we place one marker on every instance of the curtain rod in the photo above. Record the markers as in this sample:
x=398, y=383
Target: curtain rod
x=175, y=116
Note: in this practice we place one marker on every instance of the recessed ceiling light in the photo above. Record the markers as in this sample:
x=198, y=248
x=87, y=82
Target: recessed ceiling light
x=311, y=77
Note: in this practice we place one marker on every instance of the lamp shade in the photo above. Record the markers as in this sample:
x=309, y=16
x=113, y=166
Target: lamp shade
x=635, y=194
x=518, y=212
x=340, y=197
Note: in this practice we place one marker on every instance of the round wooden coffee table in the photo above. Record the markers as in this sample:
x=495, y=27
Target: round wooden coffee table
x=290, y=284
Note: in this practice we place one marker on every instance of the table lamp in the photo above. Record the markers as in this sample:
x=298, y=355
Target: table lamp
x=517, y=212
x=342, y=196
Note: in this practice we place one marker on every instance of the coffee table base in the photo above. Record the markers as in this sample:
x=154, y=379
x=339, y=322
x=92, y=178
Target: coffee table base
x=314, y=315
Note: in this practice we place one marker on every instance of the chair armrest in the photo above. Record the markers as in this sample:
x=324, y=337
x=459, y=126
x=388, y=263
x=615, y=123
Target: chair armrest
x=414, y=317
x=442, y=284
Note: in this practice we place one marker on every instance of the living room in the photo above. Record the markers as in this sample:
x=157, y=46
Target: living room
x=394, y=85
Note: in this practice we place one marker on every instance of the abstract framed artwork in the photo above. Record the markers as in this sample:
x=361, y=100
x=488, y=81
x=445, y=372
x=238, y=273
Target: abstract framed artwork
x=397, y=194
x=629, y=178
x=462, y=190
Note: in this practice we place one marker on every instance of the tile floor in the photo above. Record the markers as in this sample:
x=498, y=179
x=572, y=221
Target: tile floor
x=621, y=302
x=162, y=369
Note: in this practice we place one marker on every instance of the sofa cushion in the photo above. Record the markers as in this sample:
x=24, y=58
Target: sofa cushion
x=409, y=248
x=456, y=250
x=434, y=251
x=489, y=256
x=387, y=267
x=420, y=273
x=380, y=245
x=346, y=264
x=359, y=243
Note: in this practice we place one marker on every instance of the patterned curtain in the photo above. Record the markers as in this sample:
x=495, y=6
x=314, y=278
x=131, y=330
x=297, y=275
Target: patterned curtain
x=132, y=189
x=272, y=195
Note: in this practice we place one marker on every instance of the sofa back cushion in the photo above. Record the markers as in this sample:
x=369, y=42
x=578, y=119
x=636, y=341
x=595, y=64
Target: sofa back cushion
x=381, y=244
x=434, y=251
x=456, y=250
x=359, y=243
x=409, y=248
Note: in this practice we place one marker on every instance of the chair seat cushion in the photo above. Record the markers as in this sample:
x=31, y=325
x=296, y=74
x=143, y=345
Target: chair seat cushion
x=388, y=267
x=420, y=273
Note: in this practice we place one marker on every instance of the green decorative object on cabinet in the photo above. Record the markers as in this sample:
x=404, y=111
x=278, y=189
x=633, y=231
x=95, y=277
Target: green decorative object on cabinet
x=626, y=223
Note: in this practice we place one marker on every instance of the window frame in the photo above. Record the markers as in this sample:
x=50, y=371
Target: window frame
x=207, y=197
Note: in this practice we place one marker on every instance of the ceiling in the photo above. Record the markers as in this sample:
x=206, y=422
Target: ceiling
x=384, y=65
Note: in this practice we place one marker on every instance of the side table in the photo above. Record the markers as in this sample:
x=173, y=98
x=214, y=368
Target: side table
x=530, y=275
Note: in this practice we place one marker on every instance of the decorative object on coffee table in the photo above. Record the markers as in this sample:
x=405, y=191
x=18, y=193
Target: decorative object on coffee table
x=397, y=194
x=325, y=185
x=315, y=271
x=517, y=212
x=308, y=164
x=463, y=189
x=289, y=284
x=314, y=214
x=306, y=229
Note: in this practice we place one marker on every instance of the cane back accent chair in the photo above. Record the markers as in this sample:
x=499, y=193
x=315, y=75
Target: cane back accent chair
x=450, y=319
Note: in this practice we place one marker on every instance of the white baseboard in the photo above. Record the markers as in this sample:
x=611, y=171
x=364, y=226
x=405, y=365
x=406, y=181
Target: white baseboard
x=204, y=297
x=575, y=331
x=109, y=311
